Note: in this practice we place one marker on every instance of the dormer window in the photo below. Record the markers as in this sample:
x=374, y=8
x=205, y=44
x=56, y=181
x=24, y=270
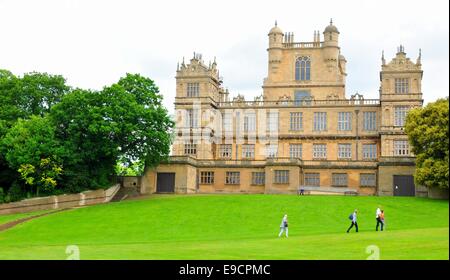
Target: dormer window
x=193, y=89
x=401, y=85
x=303, y=69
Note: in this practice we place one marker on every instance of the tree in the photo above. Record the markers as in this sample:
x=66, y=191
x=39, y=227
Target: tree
x=428, y=134
x=20, y=98
x=124, y=122
x=31, y=149
x=38, y=92
x=43, y=176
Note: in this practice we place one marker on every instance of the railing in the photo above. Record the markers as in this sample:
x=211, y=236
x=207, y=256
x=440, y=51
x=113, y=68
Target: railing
x=402, y=96
x=278, y=160
x=340, y=163
x=301, y=45
x=300, y=103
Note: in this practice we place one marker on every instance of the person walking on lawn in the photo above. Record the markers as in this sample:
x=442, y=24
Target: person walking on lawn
x=354, y=221
x=378, y=218
x=284, y=226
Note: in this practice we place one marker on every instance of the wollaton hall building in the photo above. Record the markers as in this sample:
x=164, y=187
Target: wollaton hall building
x=302, y=132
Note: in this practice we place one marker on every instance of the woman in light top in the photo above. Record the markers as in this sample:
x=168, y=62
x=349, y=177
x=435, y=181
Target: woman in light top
x=284, y=226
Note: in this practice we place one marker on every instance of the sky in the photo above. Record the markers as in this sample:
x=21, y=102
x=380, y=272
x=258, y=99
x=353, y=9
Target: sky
x=93, y=43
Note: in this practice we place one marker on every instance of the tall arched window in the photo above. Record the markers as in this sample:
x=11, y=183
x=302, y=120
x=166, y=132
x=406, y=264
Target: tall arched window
x=303, y=69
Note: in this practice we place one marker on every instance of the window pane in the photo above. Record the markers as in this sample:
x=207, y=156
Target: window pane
x=232, y=178
x=345, y=151
x=206, y=177
x=296, y=121
x=339, y=179
x=367, y=180
x=312, y=179
x=258, y=178
x=225, y=151
x=320, y=121
x=369, y=151
x=295, y=151
x=370, y=122
x=401, y=148
x=319, y=151
x=344, y=121
x=193, y=89
x=248, y=151
x=400, y=115
x=281, y=177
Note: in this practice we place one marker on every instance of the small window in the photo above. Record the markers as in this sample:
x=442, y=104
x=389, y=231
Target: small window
x=400, y=115
x=296, y=121
x=345, y=151
x=258, y=178
x=344, y=121
x=271, y=150
x=248, y=151
x=369, y=151
x=370, y=121
x=193, y=89
x=303, y=69
x=232, y=178
x=190, y=149
x=227, y=122
x=295, y=151
x=225, y=151
x=319, y=151
x=206, y=177
x=312, y=179
x=339, y=179
x=191, y=118
x=402, y=85
x=367, y=180
x=320, y=121
x=281, y=177
x=401, y=148
x=250, y=122
x=272, y=121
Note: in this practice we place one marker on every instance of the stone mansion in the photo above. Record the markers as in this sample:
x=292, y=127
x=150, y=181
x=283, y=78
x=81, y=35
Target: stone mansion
x=302, y=132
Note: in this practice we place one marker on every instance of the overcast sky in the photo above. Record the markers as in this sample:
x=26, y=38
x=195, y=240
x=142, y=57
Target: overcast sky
x=93, y=43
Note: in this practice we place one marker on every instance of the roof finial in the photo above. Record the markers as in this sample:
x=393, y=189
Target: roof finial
x=419, y=59
x=276, y=24
x=331, y=21
x=383, y=61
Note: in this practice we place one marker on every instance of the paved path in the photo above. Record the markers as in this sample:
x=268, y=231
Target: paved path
x=23, y=220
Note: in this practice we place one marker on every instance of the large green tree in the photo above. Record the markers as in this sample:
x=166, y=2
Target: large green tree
x=30, y=143
x=428, y=134
x=55, y=138
x=20, y=98
x=124, y=122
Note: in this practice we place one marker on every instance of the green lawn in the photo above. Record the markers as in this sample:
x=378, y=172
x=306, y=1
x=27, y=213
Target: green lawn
x=235, y=227
x=12, y=217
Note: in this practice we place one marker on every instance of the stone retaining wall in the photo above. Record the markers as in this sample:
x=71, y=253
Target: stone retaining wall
x=60, y=201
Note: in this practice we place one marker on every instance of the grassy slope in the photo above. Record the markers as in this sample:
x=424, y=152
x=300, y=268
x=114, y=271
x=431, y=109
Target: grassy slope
x=236, y=227
x=12, y=217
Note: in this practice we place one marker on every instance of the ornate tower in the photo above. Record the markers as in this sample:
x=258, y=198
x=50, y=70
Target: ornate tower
x=400, y=91
x=275, y=49
x=331, y=46
x=198, y=90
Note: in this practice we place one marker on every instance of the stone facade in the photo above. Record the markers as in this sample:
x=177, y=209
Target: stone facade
x=302, y=130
